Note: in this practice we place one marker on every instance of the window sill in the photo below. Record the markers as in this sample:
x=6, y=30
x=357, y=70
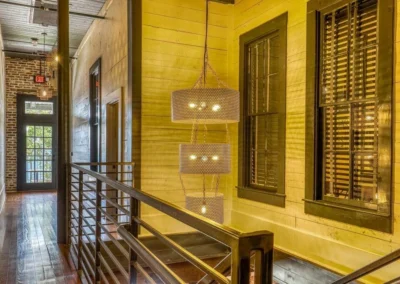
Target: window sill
x=350, y=215
x=267, y=197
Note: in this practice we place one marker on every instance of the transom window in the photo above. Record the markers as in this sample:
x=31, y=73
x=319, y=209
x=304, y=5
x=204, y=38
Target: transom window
x=39, y=107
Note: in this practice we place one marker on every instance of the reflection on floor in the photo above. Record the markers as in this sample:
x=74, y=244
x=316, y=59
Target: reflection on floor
x=29, y=252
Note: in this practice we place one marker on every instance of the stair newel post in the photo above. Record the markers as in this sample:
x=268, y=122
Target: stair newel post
x=80, y=219
x=261, y=244
x=134, y=230
x=98, y=230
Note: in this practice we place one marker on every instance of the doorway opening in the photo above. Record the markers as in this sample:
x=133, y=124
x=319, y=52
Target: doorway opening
x=37, y=140
x=94, y=102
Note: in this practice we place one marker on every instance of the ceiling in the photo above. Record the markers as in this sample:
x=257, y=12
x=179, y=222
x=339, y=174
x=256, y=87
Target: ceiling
x=19, y=24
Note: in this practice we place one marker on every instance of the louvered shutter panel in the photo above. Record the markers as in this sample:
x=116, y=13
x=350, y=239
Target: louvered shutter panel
x=263, y=113
x=348, y=101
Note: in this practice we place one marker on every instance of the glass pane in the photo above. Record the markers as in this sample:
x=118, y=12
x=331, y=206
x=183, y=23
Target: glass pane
x=47, y=154
x=365, y=177
x=48, y=177
x=30, y=158
x=38, y=154
x=39, y=176
x=29, y=152
x=48, y=131
x=30, y=142
x=29, y=177
x=38, y=142
x=39, y=108
x=47, y=143
x=264, y=151
x=39, y=166
x=30, y=166
x=39, y=131
x=30, y=130
x=337, y=178
x=48, y=166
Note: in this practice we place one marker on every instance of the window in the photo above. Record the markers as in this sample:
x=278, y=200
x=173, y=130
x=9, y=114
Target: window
x=263, y=88
x=39, y=107
x=350, y=85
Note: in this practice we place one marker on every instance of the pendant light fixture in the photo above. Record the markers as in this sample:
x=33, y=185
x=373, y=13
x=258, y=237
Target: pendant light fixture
x=44, y=92
x=204, y=104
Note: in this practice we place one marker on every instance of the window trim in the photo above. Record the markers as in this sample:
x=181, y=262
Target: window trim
x=314, y=203
x=276, y=198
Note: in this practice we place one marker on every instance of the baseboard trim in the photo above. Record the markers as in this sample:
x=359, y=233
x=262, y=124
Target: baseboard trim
x=2, y=197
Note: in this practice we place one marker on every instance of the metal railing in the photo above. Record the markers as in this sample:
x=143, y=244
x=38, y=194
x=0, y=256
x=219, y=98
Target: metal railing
x=372, y=267
x=105, y=224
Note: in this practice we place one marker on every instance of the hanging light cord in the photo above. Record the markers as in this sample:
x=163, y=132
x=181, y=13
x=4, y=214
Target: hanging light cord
x=44, y=53
x=206, y=47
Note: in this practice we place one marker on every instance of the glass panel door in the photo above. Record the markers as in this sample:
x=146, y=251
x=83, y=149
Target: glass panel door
x=37, y=140
x=39, y=154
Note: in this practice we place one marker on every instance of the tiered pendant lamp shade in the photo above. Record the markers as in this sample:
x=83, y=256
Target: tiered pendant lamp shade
x=205, y=158
x=205, y=106
x=209, y=204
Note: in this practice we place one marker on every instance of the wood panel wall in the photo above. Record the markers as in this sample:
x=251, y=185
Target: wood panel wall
x=106, y=39
x=335, y=245
x=2, y=126
x=173, y=40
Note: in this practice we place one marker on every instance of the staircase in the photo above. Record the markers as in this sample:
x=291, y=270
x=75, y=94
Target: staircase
x=104, y=240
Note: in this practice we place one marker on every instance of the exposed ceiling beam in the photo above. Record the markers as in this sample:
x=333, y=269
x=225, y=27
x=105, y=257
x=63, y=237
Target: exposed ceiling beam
x=39, y=44
x=51, y=9
x=33, y=54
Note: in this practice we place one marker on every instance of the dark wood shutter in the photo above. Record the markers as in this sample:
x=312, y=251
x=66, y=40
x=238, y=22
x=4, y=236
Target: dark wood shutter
x=349, y=102
x=264, y=110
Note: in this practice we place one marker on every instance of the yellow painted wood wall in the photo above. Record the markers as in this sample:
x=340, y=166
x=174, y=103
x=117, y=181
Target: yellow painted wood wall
x=335, y=245
x=173, y=41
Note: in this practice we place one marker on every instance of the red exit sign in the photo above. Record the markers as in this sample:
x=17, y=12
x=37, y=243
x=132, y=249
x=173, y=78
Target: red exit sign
x=40, y=79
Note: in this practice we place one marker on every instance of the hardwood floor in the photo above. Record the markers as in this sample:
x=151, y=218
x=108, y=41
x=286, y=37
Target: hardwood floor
x=29, y=252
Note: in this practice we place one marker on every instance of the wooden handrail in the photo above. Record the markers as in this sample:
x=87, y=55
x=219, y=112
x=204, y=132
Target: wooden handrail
x=368, y=269
x=220, y=233
x=241, y=245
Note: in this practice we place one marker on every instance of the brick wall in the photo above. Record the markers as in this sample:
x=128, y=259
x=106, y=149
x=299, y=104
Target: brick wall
x=19, y=80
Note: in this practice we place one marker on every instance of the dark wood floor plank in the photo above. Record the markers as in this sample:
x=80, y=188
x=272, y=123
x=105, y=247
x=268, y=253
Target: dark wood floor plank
x=29, y=252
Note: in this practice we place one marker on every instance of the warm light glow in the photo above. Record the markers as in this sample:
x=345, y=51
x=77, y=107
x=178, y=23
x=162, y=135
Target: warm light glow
x=215, y=158
x=204, y=158
x=369, y=117
x=216, y=107
x=203, y=209
x=44, y=93
x=193, y=157
x=57, y=58
x=192, y=105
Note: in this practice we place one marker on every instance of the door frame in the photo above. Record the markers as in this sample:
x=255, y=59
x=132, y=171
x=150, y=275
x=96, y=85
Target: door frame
x=24, y=119
x=95, y=129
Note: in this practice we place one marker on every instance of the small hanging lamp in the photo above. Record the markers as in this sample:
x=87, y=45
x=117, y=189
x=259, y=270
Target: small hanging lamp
x=203, y=104
x=44, y=92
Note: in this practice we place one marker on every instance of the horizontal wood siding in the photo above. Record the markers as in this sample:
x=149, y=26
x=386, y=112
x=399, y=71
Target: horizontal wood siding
x=339, y=246
x=106, y=39
x=173, y=46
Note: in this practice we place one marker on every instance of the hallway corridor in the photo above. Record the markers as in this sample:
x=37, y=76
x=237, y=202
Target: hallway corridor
x=29, y=252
